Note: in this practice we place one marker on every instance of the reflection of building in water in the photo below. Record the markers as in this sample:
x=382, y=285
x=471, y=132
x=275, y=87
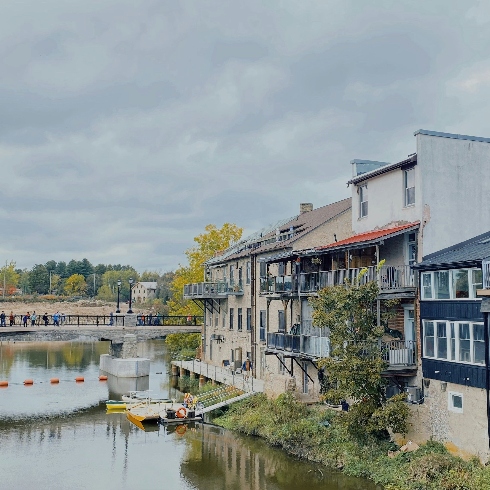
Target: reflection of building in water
x=221, y=459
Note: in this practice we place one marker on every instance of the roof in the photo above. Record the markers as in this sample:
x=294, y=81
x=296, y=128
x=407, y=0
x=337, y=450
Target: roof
x=371, y=237
x=452, y=136
x=283, y=234
x=410, y=161
x=148, y=285
x=469, y=253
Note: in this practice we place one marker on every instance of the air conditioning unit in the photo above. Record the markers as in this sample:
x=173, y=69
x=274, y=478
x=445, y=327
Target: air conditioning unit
x=414, y=394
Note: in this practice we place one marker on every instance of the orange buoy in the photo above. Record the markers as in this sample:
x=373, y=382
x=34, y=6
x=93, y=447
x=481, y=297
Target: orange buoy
x=4, y=384
x=28, y=381
x=79, y=379
x=181, y=413
x=54, y=380
x=102, y=378
x=180, y=429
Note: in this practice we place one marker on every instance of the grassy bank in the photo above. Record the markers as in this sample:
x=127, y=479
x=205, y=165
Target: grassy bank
x=319, y=434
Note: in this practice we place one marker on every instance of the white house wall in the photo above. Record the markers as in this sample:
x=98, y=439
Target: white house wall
x=455, y=189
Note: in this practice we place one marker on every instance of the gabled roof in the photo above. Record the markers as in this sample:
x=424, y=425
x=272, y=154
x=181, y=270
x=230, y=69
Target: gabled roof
x=370, y=237
x=407, y=163
x=148, y=284
x=469, y=253
x=283, y=234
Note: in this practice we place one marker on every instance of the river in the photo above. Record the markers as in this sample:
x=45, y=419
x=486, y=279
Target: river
x=59, y=436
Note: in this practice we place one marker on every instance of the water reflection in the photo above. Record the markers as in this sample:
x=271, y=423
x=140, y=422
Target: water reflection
x=60, y=436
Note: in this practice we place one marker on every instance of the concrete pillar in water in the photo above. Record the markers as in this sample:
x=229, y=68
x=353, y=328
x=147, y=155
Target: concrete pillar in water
x=182, y=371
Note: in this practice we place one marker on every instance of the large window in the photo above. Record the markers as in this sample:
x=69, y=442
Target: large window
x=240, y=319
x=249, y=272
x=451, y=284
x=454, y=341
x=262, y=325
x=249, y=318
x=409, y=183
x=231, y=318
x=363, y=201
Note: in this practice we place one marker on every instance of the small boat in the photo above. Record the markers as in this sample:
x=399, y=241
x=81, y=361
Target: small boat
x=143, y=412
x=115, y=405
x=139, y=396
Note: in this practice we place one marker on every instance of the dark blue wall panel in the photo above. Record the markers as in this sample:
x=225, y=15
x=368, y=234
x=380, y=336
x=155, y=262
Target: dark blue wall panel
x=453, y=372
x=451, y=310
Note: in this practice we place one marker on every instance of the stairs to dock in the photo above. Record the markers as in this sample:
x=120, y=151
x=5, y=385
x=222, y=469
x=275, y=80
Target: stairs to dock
x=226, y=402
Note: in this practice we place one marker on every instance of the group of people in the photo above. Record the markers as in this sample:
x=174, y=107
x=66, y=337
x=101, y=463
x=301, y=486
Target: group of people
x=31, y=318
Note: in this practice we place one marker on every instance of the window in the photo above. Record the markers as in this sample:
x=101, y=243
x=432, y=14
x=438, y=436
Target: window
x=441, y=284
x=455, y=402
x=427, y=285
x=231, y=318
x=428, y=339
x=281, y=269
x=240, y=278
x=232, y=275
x=478, y=343
x=263, y=269
x=249, y=272
x=281, y=321
x=363, y=200
x=412, y=248
x=262, y=325
x=249, y=319
x=466, y=341
x=451, y=284
x=240, y=319
x=409, y=184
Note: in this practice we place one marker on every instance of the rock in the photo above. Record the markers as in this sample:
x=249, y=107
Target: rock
x=409, y=446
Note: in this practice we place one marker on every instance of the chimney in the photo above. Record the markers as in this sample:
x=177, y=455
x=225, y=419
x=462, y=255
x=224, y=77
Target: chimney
x=305, y=207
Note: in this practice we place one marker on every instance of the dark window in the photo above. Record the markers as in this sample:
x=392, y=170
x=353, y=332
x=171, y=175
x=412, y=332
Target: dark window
x=281, y=269
x=263, y=269
x=363, y=201
x=231, y=318
x=249, y=272
x=249, y=318
x=281, y=321
x=240, y=319
x=262, y=325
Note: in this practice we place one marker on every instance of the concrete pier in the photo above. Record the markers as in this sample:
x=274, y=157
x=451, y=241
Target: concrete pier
x=122, y=361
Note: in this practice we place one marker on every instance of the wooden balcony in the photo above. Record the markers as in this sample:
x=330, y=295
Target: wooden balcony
x=209, y=290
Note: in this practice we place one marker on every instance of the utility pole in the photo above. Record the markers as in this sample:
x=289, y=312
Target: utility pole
x=50, y=281
x=4, y=279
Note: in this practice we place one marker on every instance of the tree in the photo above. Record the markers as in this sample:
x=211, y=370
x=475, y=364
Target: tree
x=39, y=279
x=93, y=280
x=108, y=290
x=356, y=363
x=9, y=278
x=75, y=284
x=208, y=244
x=61, y=270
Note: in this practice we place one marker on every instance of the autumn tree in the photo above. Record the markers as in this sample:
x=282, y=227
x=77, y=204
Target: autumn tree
x=9, y=278
x=75, y=285
x=108, y=290
x=212, y=241
x=354, y=369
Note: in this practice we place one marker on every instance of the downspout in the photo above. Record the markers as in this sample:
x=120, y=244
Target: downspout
x=253, y=346
x=378, y=302
x=487, y=381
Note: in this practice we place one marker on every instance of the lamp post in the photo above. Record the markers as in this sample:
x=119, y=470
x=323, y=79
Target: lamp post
x=118, y=292
x=130, y=293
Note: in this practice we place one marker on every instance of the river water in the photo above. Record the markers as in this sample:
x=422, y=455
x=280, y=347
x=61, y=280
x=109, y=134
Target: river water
x=59, y=436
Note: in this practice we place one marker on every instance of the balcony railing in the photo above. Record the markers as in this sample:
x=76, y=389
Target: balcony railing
x=212, y=289
x=397, y=353
x=389, y=277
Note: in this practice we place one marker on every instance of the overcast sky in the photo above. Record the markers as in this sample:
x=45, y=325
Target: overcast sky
x=127, y=126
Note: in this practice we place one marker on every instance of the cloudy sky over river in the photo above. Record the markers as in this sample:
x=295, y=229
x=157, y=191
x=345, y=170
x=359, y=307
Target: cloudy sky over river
x=127, y=126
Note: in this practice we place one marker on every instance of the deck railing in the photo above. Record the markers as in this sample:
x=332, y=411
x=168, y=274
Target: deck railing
x=396, y=353
x=211, y=289
x=389, y=277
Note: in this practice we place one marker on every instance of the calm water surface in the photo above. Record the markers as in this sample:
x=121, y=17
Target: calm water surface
x=60, y=436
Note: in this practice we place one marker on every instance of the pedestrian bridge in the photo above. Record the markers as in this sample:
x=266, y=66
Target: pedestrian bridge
x=114, y=333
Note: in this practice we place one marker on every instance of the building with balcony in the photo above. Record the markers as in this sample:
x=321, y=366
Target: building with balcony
x=455, y=345
x=238, y=318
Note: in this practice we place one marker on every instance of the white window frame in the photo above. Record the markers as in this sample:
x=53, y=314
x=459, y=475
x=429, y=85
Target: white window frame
x=450, y=402
x=406, y=173
x=363, y=210
x=471, y=290
x=449, y=356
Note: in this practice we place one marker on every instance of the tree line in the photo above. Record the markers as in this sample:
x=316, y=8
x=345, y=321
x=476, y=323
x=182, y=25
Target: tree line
x=79, y=278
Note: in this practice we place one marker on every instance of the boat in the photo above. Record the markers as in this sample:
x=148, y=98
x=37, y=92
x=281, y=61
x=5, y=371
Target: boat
x=139, y=396
x=143, y=412
x=115, y=405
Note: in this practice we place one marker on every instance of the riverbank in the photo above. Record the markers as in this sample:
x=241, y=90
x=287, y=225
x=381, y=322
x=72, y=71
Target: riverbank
x=317, y=434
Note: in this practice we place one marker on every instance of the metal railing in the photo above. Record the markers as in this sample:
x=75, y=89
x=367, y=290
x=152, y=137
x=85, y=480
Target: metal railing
x=104, y=320
x=395, y=353
x=212, y=289
x=389, y=277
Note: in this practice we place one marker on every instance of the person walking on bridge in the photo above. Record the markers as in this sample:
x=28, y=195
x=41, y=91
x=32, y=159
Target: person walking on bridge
x=12, y=318
x=33, y=319
x=2, y=319
x=45, y=319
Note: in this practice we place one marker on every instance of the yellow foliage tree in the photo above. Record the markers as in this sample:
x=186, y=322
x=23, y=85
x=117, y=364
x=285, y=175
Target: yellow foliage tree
x=9, y=277
x=75, y=284
x=212, y=241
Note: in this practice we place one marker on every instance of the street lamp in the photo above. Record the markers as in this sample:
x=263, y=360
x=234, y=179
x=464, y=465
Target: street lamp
x=118, y=291
x=130, y=293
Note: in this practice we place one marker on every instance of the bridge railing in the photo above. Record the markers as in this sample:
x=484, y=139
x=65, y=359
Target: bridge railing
x=104, y=320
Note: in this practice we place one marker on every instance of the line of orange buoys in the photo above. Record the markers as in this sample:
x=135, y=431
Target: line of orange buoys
x=30, y=382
